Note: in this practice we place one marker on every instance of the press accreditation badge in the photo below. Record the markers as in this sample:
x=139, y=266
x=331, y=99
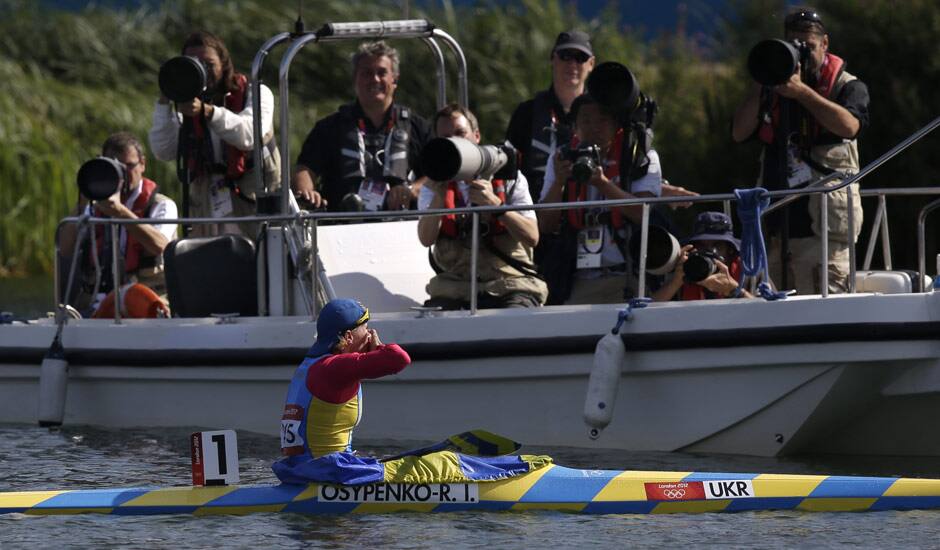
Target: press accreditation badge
x=372, y=192
x=590, y=244
x=220, y=199
x=798, y=172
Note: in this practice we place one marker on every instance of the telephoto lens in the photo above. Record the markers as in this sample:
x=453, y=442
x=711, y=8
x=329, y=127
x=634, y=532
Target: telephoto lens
x=773, y=62
x=100, y=177
x=183, y=78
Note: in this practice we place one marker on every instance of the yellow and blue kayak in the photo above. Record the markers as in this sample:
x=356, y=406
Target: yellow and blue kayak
x=549, y=488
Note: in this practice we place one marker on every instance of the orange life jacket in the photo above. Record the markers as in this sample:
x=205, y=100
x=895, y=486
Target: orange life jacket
x=453, y=199
x=140, y=208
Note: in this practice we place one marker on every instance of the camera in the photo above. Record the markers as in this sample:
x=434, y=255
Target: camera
x=700, y=265
x=584, y=160
x=773, y=62
x=101, y=177
x=183, y=78
x=455, y=158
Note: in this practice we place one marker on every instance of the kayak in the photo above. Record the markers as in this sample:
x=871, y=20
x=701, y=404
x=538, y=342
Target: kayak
x=550, y=488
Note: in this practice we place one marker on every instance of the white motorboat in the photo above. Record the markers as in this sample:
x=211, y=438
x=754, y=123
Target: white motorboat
x=853, y=373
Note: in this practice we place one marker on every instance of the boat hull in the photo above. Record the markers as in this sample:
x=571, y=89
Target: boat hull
x=720, y=376
x=550, y=488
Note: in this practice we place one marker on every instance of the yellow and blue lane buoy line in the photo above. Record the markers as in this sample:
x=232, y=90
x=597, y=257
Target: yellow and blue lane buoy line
x=548, y=488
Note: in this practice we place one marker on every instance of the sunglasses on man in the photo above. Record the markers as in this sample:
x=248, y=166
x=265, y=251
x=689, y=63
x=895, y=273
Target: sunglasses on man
x=573, y=55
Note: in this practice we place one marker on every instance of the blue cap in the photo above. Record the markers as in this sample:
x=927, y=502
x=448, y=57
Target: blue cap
x=714, y=226
x=335, y=318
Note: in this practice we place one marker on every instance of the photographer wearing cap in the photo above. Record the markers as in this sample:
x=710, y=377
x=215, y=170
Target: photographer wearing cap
x=809, y=125
x=715, y=254
x=505, y=271
x=542, y=124
x=210, y=135
x=141, y=245
x=590, y=266
x=365, y=156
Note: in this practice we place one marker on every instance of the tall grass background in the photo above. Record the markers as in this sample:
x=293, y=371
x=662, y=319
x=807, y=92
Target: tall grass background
x=69, y=79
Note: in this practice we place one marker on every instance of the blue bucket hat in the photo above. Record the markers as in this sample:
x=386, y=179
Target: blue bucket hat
x=714, y=226
x=335, y=318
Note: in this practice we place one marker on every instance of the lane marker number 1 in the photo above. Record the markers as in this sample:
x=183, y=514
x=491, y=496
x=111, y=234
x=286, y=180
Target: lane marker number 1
x=215, y=457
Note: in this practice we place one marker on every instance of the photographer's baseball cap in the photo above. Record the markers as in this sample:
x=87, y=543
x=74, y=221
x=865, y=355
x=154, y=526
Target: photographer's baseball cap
x=573, y=40
x=714, y=226
x=335, y=318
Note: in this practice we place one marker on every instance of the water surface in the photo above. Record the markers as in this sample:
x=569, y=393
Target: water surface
x=81, y=457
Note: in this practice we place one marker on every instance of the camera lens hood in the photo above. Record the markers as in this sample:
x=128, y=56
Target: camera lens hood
x=773, y=62
x=614, y=87
x=454, y=158
x=183, y=78
x=100, y=177
x=662, y=250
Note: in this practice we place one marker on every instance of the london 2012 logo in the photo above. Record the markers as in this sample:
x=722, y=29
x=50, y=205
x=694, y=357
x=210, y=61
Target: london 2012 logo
x=700, y=490
x=674, y=494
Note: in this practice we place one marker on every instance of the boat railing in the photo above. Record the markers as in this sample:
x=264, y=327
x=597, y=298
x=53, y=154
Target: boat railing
x=332, y=32
x=299, y=233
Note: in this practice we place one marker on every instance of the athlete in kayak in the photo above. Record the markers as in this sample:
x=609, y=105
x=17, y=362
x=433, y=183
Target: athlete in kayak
x=324, y=405
x=324, y=400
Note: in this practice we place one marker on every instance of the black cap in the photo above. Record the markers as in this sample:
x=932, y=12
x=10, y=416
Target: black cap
x=573, y=40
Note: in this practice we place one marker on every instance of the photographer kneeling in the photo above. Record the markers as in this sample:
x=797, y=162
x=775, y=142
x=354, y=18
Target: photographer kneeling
x=505, y=272
x=709, y=266
x=141, y=245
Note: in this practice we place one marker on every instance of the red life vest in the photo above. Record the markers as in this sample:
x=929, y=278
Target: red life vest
x=453, y=199
x=134, y=250
x=693, y=291
x=828, y=75
x=235, y=158
x=578, y=192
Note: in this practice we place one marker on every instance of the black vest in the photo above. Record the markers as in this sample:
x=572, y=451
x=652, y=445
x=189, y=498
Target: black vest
x=375, y=154
x=545, y=127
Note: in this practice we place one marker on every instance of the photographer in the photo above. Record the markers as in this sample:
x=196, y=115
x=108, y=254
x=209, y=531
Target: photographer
x=589, y=267
x=809, y=125
x=365, y=156
x=542, y=124
x=716, y=254
x=210, y=136
x=141, y=245
x=506, y=274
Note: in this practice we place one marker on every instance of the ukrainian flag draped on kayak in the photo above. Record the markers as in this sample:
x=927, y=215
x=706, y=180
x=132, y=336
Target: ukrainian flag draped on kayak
x=347, y=468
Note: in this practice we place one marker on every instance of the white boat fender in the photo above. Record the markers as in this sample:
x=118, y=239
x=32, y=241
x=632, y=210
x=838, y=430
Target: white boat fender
x=53, y=382
x=214, y=457
x=54, y=371
x=609, y=357
x=603, y=383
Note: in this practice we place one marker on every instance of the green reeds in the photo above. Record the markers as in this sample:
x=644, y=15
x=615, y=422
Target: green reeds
x=71, y=78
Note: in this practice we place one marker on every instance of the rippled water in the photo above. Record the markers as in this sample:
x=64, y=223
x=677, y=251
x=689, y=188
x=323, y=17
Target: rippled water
x=78, y=457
